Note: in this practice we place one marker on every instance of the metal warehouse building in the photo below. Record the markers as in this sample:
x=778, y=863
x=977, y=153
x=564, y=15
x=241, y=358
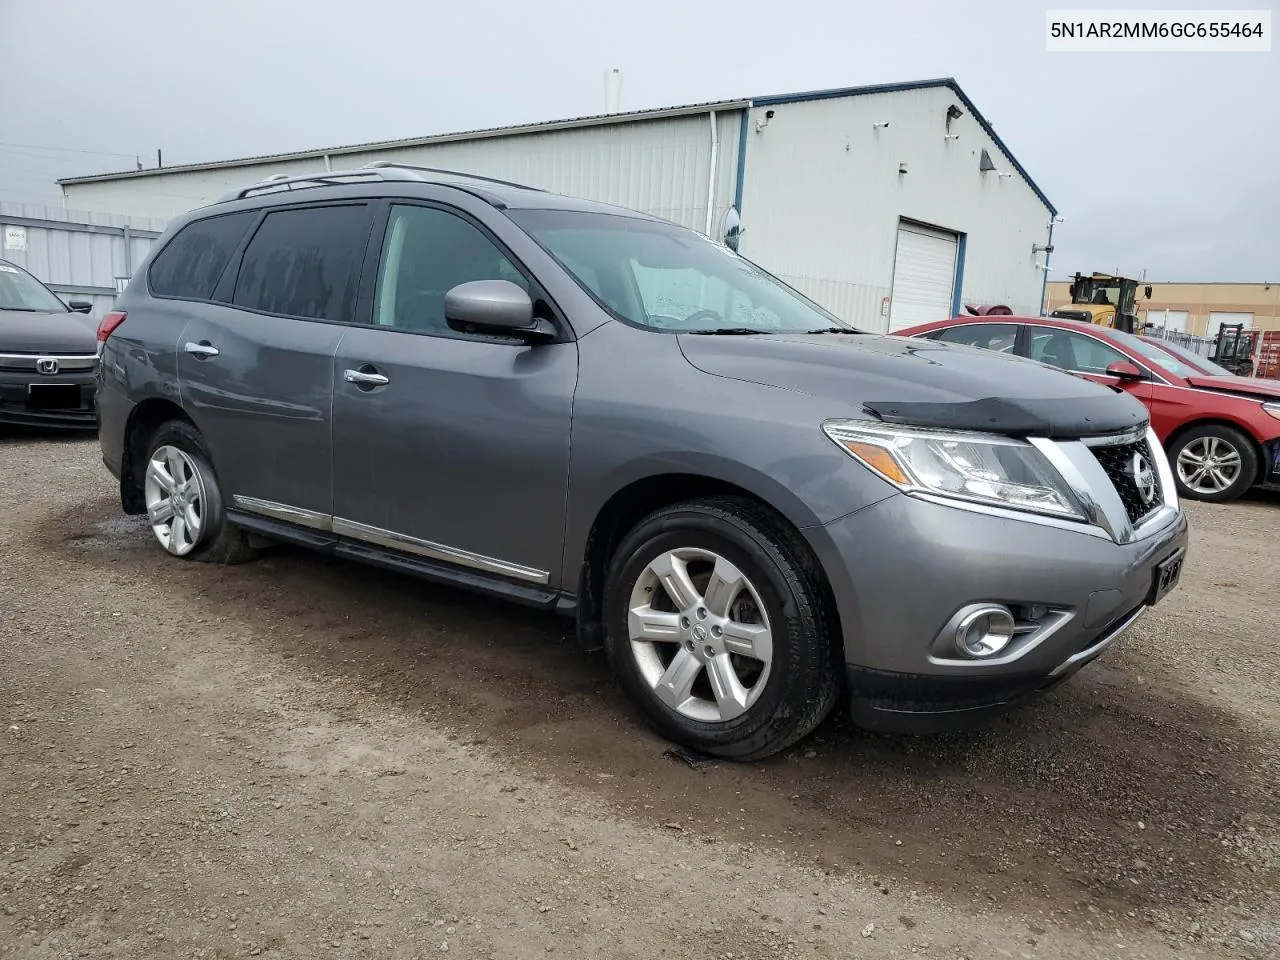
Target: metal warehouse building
x=889, y=205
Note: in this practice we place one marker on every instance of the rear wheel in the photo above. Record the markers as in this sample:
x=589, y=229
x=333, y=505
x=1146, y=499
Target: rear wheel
x=717, y=629
x=1213, y=463
x=183, y=500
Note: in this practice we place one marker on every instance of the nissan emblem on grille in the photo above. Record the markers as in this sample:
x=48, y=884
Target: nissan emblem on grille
x=1144, y=478
x=48, y=366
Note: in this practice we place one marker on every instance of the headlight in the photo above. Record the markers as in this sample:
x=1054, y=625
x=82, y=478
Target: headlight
x=1272, y=409
x=977, y=467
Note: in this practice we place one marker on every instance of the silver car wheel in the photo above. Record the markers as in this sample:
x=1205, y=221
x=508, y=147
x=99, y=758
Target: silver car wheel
x=175, y=498
x=1209, y=465
x=700, y=634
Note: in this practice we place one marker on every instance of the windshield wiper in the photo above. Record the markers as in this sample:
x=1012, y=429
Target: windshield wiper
x=729, y=332
x=25, y=310
x=834, y=330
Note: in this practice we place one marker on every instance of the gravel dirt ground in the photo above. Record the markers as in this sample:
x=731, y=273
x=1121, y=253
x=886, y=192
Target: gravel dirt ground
x=308, y=758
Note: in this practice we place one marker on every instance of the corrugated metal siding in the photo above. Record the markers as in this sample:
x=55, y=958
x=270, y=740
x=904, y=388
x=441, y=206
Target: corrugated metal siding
x=823, y=199
x=658, y=166
x=76, y=262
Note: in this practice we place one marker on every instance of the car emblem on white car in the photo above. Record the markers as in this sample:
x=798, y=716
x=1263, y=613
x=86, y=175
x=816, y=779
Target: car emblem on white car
x=47, y=366
x=1144, y=478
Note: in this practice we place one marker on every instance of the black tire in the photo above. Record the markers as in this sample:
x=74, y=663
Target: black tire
x=1233, y=438
x=805, y=675
x=219, y=541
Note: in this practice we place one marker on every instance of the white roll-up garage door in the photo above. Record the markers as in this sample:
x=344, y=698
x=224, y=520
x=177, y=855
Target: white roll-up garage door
x=924, y=275
x=1218, y=318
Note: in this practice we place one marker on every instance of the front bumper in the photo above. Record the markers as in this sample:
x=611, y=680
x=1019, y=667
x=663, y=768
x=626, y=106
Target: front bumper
x=19, y=403
x=902, y=569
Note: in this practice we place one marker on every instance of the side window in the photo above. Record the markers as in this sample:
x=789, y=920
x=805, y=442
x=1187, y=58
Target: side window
x=989, y=336
x=426, y=253
x=305, y=262
x=191, y=263
x=1073, y=351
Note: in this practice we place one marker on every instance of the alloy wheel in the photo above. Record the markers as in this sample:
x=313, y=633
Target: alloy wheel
x=175, y=498
x=700, y=634
x=1209, y=465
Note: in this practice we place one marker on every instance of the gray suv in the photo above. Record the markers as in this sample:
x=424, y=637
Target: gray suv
x=754, y=508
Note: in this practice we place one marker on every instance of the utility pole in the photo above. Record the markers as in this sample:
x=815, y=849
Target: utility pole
x=159, y=159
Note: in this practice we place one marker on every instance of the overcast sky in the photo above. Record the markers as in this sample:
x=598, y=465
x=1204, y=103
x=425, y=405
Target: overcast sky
x=1168, y=163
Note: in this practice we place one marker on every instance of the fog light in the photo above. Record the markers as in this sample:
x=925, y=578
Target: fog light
x=984, y=632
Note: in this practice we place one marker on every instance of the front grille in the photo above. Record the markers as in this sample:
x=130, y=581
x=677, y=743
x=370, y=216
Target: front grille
x=1133, y=473
x=29, y=362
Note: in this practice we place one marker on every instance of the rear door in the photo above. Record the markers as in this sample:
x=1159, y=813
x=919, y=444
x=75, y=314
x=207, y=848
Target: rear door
x=256, y=367
x=447, y=445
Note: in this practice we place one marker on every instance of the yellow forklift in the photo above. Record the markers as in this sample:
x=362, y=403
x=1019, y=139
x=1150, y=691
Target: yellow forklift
x=1104, y=300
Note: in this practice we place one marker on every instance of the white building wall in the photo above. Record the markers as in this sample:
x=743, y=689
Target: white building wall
x=823, y=198
x=659, y=166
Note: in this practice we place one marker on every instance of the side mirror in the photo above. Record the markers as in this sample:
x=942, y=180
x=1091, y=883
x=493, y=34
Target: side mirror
x=731, y=234
x=1147, y=291
x=1124, y=370
x=81, y=306
x=495, y=306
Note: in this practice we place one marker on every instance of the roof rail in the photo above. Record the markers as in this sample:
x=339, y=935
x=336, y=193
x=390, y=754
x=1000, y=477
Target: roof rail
x=379, y=170
x=397, y=165
x=284, y=182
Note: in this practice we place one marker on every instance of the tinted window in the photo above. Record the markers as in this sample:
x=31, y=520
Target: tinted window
x=1073, y=351
x=191, y=263
x=988, y=336
x=427, y=252
x=305, y=263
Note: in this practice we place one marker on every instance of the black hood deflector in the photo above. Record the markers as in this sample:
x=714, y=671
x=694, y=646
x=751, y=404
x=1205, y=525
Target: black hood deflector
x=1052, y=418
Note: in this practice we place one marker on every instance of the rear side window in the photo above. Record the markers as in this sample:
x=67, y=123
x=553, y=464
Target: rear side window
x=191, y=263
x=305, y=263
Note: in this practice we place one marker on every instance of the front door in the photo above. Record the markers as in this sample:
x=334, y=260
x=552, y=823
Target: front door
x=256, y=372
x=450, y=446
x=1084, y=356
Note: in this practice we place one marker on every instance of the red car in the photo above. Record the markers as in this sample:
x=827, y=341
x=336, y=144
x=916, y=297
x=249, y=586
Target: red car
x=1222, y=433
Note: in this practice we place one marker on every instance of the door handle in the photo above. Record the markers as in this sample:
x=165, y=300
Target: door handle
x=202, y=350
x=362, y=378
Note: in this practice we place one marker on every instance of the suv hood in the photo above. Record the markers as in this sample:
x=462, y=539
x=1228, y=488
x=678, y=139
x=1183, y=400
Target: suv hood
x=920, y=382
x=1248, y=386
x=65, y=334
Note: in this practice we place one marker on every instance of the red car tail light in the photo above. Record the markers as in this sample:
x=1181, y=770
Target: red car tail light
x=109, y=324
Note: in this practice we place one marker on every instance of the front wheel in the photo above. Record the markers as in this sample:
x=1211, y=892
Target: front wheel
x=1213, y=463
x=717, y=629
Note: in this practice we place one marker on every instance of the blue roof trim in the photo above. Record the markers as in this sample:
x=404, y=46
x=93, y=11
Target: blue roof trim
x=948, y=82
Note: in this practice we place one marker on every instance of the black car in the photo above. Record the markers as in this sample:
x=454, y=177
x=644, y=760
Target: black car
x=48, y=355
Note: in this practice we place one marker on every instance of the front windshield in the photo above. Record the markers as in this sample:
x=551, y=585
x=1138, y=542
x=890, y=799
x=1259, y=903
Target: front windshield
x=664, y=277
x=21, y=291
x=1194, y=360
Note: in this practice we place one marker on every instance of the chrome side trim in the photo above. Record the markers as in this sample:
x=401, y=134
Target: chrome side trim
x=1088, y=653
x=282, y=511
x=436, y=551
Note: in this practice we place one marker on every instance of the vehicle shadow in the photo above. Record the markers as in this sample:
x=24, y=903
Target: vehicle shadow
x=1115, y=792
x=20, y=434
